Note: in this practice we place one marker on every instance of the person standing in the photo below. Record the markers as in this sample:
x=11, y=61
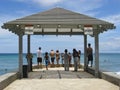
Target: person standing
x=52, y=55
x=79, y=54
x=62, y=57
x=70, y=58
x=39, y=57
x=89, y=55
x=57, y=56
x=75, y=57
x=46, y=60
x=66, y=60
x=29, y=57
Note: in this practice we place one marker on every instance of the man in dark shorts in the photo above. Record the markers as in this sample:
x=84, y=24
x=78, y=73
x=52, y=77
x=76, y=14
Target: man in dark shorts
x=90, y=55
x=52, y=54
x=39, y=60
x=39, y=56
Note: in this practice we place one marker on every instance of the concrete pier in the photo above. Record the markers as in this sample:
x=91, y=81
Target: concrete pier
x=58, y=79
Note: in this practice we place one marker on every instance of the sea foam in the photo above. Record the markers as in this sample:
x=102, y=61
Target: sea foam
x=118, y=73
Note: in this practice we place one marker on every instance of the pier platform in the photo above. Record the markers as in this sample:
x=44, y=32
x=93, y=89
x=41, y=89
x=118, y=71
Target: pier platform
x=58, y=79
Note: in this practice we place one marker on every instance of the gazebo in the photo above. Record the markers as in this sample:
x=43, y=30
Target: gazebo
x=58, y=21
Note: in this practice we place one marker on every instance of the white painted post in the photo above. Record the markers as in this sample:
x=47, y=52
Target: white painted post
x=97, y=55
x=20, y=55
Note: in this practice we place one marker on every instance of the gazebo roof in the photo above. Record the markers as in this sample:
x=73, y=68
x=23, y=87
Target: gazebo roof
x=57, y=21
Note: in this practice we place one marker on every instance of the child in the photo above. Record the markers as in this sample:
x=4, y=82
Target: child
x=46, y=60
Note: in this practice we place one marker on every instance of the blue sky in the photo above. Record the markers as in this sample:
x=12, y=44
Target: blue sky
x=103, y=9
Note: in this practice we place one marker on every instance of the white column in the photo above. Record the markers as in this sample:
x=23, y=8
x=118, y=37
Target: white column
x=21, y=56
x=85, y=53
x=96, y=55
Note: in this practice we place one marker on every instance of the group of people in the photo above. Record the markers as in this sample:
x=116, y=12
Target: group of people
x=65, y=57
x=76, y=56
x=46, y=57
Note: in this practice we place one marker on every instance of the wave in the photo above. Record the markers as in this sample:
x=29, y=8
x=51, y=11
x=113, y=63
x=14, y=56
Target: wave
x=118, y=73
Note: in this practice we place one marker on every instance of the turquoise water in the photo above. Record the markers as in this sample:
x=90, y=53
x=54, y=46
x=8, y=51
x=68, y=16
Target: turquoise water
x=108, y=62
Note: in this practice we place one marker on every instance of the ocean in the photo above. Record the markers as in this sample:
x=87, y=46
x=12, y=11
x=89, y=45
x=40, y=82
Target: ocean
x=108, y=62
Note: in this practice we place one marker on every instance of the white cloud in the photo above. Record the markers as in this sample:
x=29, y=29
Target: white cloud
x=23, y=13
x=47, y=2
x=63, y=39
x=113, y=18
x=4, y=19
x=76, y=5
x=110, y=44
x=84, y=5
x=8, y=39
x=57, y=42
x=109, y=47
x=41, y=2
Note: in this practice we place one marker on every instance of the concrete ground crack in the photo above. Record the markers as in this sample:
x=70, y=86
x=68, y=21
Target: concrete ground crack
x=59, y=74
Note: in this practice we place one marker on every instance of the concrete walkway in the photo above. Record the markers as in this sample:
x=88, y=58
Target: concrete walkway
x=58, y=79
x=58, y=73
